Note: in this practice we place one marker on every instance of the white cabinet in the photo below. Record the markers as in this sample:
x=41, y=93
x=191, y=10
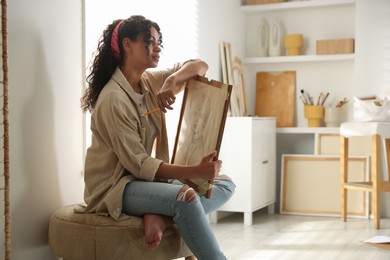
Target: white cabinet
x=315, y=20
x=248, y=154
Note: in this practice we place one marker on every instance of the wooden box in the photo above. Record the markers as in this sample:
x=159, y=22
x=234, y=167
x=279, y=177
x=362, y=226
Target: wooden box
x=256, y=2
x=336, y=46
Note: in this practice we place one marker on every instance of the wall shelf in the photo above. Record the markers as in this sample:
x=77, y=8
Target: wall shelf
x=299, y=58
x=316, y=20
x=294, y=5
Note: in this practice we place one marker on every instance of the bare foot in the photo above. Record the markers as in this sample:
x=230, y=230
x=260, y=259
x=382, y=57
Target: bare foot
x=154, y=226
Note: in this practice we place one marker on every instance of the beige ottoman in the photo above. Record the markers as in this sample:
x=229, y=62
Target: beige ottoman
x=74, y=236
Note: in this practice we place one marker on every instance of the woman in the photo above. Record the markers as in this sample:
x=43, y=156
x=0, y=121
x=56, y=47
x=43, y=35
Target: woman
x=121, y=176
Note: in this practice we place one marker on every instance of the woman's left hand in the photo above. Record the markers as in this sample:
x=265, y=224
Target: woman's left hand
x=166, y=96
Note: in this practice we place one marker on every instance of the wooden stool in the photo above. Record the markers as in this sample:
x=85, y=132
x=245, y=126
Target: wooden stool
x=75, y=236
x=379, y=131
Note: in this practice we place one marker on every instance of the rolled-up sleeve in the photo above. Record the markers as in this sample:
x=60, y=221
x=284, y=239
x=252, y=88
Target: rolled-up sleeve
x=156, y=79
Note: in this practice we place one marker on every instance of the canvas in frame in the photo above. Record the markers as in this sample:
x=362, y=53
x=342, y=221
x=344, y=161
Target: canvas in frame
x=201, y=125
x=232, y=73
x=311, y=185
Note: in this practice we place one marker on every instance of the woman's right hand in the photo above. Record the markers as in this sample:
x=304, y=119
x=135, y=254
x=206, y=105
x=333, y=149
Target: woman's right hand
x=166, y=95
x=208, y=168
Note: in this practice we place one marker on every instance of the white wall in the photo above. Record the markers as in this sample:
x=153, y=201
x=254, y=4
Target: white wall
x=373, y=48
x=224, y=22
x=373, y=58
x=45, y=62
x=46, y=135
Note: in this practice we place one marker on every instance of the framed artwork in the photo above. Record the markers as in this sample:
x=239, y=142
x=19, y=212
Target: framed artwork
x=239, y=86
x=329, y=144
x=311, y=185
x=233, y=74
x=201, y=125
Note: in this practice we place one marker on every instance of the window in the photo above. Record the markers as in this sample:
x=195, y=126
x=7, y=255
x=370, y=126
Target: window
x=177, y=20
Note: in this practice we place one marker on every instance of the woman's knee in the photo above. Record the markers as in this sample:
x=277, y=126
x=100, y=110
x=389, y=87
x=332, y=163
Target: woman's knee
x=225, y=184
x=187, y=194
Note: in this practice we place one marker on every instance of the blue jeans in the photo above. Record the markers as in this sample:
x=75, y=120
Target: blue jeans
x=141, y=197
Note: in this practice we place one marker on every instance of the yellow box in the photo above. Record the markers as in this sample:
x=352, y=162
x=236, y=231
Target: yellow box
x=336, y=46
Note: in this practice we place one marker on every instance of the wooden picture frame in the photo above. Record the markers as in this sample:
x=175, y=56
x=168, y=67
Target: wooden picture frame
x=329, y=144
x=233, y=74
x=239, y=86
x=311, y=185
x=224, y=63
x=201, y=125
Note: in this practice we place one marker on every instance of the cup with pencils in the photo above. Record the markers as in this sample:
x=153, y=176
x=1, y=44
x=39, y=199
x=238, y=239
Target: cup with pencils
x=314, y=115
x=313, y=112
x=332, y=116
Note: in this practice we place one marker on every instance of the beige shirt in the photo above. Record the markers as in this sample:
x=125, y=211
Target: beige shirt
x=117, y=154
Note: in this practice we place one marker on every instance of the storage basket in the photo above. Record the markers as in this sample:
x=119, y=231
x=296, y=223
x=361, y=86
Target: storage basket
x=371, y=110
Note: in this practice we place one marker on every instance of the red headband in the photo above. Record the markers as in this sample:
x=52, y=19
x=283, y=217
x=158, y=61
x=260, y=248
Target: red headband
x=115, y=43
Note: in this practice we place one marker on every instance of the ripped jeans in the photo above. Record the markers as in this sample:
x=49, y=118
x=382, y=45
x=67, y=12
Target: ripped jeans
x=190, y=217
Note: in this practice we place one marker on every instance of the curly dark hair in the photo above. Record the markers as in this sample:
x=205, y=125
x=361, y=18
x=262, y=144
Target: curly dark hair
x=104, y=63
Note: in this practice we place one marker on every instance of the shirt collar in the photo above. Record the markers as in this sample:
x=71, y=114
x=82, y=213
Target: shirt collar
x=122, y=81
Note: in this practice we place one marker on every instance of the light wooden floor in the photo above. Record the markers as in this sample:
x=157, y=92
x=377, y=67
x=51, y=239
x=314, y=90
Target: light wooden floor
x=286, y=237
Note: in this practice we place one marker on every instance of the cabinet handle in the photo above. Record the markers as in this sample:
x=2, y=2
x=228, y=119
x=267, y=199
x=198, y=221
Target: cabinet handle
x=266, y=161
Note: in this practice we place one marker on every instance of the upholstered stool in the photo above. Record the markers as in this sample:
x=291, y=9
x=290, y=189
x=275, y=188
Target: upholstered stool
x=75, y=236
x=380, y=138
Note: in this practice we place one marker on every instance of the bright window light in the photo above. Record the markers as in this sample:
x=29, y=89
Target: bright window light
x=178, y=26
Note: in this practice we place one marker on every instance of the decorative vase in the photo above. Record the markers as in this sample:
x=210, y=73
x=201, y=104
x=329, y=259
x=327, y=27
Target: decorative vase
x=275, y=38
x=293, y=43
x=262, y=38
